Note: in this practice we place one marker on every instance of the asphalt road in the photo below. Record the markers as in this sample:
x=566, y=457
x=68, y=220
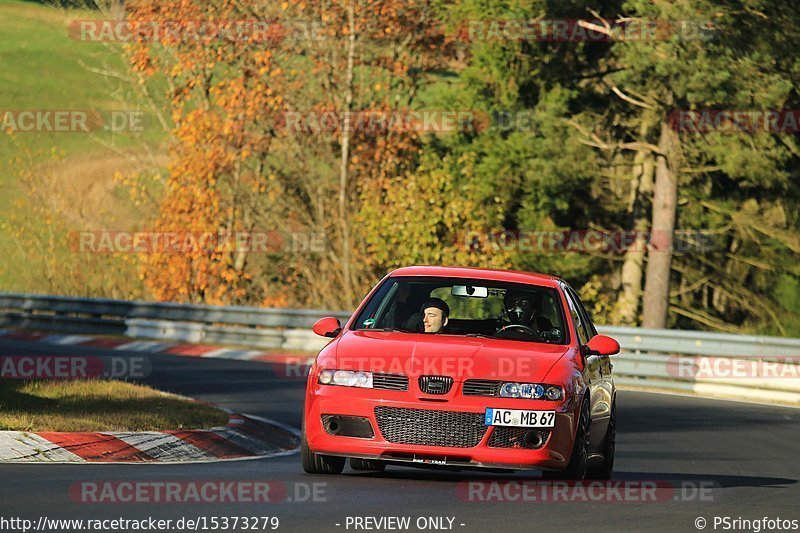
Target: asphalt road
x=732, y=460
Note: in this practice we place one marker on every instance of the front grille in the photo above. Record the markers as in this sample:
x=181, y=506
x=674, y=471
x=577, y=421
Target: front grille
x=435, y=384
x=482, y=387
x=511, y=437
x=430, y=428
x=389, y=382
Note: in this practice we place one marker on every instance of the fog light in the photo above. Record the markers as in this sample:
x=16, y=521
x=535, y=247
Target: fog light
x=533, y=391
x=554, y=393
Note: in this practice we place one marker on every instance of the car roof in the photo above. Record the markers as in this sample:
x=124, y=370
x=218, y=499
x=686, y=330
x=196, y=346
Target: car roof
x=512, y=276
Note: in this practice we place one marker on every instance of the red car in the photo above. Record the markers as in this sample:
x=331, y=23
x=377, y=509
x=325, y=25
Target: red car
x=463, y=367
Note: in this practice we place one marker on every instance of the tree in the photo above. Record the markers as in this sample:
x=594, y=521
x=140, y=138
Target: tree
x=691, y=70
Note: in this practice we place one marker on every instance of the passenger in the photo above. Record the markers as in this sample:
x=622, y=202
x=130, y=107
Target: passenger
x=435, y=313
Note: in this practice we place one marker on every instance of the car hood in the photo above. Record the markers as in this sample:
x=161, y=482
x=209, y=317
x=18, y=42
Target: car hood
x=415, y=354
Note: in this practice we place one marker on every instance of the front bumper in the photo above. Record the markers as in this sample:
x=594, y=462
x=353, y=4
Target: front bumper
x=335, y=400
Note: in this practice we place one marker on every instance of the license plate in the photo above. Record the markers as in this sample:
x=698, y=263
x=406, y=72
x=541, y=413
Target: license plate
x=520, y=418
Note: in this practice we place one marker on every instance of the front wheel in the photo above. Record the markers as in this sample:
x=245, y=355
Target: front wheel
x=314, y=463
x=579, y=460
x=604, y=470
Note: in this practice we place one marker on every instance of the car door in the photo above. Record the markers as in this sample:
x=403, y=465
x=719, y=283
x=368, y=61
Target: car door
x=593, y=370
x=605, y=360
x=600, y=386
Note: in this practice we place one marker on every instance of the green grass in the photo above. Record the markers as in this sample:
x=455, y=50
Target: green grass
x=97, y=405
x=40, y=69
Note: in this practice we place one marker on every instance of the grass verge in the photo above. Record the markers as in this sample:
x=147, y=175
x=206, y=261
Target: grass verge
x=43, y=67
x=99, y=405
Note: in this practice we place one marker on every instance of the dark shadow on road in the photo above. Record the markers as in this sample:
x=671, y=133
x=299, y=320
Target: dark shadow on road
x=675, y=479
x=719, y=480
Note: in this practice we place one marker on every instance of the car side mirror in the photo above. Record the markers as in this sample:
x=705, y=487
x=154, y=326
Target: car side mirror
x=327, y=327
x=602, y=345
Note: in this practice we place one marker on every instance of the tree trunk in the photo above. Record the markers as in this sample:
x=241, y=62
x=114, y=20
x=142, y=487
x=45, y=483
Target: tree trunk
x=659, y=256
x=116, y=9
x=343, y=175
x=632, y=274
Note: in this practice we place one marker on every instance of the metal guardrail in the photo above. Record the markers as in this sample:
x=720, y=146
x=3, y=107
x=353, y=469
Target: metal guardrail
x=651, y=358
x=745, y=367
x=31, y=305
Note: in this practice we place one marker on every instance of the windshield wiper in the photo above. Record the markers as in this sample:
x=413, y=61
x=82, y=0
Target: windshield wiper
x=484, y=335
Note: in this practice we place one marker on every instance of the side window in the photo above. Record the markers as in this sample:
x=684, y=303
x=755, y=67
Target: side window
x=577, y=318
x=586, y=319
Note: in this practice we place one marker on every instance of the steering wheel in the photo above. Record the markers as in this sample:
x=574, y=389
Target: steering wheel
x=526, y=329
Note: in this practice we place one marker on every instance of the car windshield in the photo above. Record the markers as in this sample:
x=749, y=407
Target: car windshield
x=474, y=307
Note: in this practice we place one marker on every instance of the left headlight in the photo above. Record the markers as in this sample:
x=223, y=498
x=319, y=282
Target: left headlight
x=534, y=391
x=346, y=378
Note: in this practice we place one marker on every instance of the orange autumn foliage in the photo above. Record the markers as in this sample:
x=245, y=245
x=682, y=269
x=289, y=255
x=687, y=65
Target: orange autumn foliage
x=238, y=165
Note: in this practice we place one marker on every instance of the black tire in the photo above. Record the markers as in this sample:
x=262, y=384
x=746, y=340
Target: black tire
x=579, y=460
x=367, y=464
x=604, y=470
x=314, y=463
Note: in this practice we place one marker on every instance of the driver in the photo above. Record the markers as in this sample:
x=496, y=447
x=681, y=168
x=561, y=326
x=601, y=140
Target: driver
x=522, y=308
x=404, y=311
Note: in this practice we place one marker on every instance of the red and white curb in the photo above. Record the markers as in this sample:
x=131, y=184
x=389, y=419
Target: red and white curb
x=143, y=346
x=245, y=437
